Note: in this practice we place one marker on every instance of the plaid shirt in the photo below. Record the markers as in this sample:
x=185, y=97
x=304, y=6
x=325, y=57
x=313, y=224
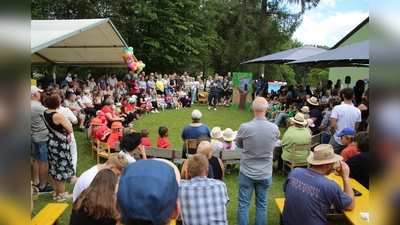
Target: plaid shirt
x=203, y=201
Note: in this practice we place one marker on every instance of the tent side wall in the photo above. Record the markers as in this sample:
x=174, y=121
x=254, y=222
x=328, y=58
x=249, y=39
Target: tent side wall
x=356, y=73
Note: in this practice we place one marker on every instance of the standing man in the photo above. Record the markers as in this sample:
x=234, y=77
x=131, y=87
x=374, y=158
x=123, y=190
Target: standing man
x=309, y=194
x=112, y=81
x=101, y=82
x=39, y=137
x=344, y=116
x=68, y=78
x=257, y=138
x=213, y=96
x=87, y=79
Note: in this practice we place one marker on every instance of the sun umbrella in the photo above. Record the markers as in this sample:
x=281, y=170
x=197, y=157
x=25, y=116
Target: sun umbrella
x=354, y=55
x=287, y=55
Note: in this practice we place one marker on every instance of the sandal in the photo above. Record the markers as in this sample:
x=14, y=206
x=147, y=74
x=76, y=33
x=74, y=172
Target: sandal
x=64, y=197
x=55, y=196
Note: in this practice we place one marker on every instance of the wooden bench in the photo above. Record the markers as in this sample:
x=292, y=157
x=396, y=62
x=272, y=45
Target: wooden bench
x=280, y=202
x=315, y=140
x=233, y=155
x=173, y=155
x=50, y=214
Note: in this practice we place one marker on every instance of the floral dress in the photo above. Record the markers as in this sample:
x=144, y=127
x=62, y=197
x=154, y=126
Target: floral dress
x=58, y=151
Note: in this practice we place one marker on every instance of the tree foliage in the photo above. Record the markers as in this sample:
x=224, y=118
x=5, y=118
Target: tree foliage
x=213, y=36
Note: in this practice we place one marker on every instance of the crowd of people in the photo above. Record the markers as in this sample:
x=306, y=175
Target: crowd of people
x=150, y=191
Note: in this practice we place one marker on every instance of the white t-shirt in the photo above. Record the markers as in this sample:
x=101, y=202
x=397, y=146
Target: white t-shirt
x=86, y=99
x=347, y=115
x=112, y=82
x=67, y=113
x=128, y=156
x=84, y=181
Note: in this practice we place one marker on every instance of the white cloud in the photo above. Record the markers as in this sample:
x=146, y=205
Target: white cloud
x=327, y=3
x=329, y=29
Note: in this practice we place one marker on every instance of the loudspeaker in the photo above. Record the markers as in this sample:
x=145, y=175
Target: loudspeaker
x=347, y=80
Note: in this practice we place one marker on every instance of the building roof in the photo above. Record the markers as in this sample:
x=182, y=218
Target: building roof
x=351, y=33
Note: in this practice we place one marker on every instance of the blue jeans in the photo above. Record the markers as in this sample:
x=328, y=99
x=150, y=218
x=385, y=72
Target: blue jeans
x=194, y=95
x=40, y=151
x=279, y=118
x=325, y=138
x=246, y=187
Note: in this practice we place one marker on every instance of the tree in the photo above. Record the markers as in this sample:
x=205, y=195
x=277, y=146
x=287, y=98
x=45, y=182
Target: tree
x=316, y=75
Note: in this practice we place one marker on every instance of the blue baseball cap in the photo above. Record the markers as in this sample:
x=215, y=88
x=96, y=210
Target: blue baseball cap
x=147, y=190
x=346, y=131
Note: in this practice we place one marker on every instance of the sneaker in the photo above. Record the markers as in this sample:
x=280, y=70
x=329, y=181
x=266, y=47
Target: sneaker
x=153, y=111
x=157, y=111
x=209, y=107
x=45, y=189
x=215, y=109
x=81, y=129
x=37, y=185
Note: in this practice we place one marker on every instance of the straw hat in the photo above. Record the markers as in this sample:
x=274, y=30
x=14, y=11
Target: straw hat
x=323, y=154
x=313, y=101
x=305, y=109
x=299, y=119
x=229, y=135
x=216, y=133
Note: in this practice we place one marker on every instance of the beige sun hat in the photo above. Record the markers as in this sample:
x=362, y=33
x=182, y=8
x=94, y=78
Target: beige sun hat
x=313, y=101
x=216, y=132
x=229, y=134
x=323, y=154
x=305, y=109
x=299, y=118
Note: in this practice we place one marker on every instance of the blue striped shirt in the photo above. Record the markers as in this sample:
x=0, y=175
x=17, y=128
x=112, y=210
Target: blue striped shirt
x=203, y=201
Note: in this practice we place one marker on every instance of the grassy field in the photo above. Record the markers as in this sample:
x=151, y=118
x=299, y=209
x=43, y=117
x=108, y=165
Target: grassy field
x=176, y=120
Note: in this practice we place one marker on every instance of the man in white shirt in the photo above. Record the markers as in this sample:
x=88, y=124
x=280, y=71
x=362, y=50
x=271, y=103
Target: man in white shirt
x=68, y=78
x=112, y=81
x=344, y=116
x=116, y=163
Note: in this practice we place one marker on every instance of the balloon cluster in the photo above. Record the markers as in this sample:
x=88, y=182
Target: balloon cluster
x=366, y=80
x=136, y=67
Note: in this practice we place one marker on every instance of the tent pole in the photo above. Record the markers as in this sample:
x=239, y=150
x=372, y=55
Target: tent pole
x=54, y=74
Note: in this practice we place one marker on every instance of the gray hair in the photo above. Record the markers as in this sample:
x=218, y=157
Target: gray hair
x=259, y=107
x=109, y=101
x=335, y=100
x=196, y=114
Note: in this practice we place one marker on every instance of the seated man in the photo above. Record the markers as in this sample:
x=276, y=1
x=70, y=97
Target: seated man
x=116, y=163
x=309, y=194
x=148, y=193
x=297, y=134
x=203, y=200
x=71, y=103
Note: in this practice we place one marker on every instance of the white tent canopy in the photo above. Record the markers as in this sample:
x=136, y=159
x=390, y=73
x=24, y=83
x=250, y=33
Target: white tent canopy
x=82, y=42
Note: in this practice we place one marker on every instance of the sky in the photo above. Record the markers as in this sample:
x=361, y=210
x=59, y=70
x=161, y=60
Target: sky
x=330, y=21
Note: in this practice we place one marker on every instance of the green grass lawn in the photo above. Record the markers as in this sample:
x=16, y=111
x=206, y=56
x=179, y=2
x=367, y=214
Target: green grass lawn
x=176, y=120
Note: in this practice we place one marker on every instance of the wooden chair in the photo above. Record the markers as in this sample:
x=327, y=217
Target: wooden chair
x=50, y=214
x=293, y=163
x=316, y=140
x=202, y=97
x=104, y=151
x=95, y=144
x=190, y=143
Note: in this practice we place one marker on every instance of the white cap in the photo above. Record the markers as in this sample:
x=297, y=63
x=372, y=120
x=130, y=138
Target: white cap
x=35, y=90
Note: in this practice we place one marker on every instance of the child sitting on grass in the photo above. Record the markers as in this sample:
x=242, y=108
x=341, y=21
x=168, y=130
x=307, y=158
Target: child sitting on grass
x=162, y=141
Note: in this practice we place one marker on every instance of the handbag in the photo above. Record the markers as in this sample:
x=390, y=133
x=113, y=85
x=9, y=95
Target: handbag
x=69, y=136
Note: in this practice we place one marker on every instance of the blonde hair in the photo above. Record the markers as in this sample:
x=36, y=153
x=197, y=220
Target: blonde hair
x=205, y=147
x=197, y=165
x=118, y=160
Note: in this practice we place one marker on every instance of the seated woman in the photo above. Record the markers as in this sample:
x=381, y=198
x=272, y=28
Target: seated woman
x=90, y=208
x=298, y=135
x=109, y=113
x=194, y=130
